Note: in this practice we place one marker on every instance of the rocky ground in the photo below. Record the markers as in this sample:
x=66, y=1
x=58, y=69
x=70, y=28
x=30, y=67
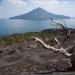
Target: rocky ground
x=27, y=59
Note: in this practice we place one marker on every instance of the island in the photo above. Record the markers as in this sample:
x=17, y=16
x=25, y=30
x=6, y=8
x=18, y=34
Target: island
x=39, y=14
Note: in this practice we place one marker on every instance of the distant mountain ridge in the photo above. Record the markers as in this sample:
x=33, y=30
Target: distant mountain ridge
x=39, y=13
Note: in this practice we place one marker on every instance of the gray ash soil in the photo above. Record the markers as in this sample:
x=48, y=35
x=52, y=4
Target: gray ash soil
x=21, y=59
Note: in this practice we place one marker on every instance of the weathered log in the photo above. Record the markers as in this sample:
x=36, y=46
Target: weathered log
x=61, y=50
x=69, y=51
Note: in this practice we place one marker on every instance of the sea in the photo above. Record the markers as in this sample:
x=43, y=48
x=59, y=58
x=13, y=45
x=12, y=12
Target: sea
x=13, y=26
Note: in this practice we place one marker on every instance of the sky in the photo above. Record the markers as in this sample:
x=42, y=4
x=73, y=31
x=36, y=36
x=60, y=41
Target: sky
x=10, y=8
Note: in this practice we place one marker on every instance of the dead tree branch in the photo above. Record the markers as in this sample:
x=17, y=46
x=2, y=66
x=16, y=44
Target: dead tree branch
x=63, y=27
x=61, y=49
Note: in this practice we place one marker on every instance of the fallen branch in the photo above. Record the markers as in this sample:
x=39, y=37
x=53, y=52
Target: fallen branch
x=61, y=49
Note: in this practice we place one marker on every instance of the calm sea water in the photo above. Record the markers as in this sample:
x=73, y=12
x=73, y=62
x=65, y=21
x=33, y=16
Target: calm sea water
x=21, y=26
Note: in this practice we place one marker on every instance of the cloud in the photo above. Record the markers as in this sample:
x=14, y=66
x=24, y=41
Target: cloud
x=64, y=7
x=68, y=1
x=13, y=8
x=2, y=2
x=16, y=1
x=18, y=7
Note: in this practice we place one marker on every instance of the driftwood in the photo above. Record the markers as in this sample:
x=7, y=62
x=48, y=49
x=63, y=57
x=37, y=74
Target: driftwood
x=64, y=29
x=61, y=49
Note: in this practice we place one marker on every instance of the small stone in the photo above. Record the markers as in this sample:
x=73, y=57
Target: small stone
x=24, y=70
x=18, y=71
x=14, y=70
x=10, y=67
x=7, y=68
x=35, y=69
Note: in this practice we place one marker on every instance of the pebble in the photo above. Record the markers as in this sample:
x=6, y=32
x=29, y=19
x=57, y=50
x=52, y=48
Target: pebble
x=24, y=70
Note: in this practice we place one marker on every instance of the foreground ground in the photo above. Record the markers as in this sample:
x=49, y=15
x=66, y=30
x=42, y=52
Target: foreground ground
x=24, y=58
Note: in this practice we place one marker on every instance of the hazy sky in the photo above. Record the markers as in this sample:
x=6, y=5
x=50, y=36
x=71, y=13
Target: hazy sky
x=9, y=8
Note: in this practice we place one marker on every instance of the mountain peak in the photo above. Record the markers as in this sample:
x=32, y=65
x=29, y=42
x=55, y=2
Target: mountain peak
x=39, y=8
x=39, y=13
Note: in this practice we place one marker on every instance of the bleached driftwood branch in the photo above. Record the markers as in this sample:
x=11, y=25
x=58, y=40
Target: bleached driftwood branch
x=67, y=32
x=61, y=49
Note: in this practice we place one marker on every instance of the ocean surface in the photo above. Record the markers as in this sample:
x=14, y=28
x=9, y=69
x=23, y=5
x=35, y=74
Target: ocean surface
x=12, y=26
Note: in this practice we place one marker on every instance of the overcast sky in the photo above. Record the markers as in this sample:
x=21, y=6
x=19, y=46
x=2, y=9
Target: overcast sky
x=9, y=8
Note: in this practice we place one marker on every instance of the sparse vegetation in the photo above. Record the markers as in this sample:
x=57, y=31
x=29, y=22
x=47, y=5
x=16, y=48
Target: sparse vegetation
x=48, y=36
x=17, y=38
